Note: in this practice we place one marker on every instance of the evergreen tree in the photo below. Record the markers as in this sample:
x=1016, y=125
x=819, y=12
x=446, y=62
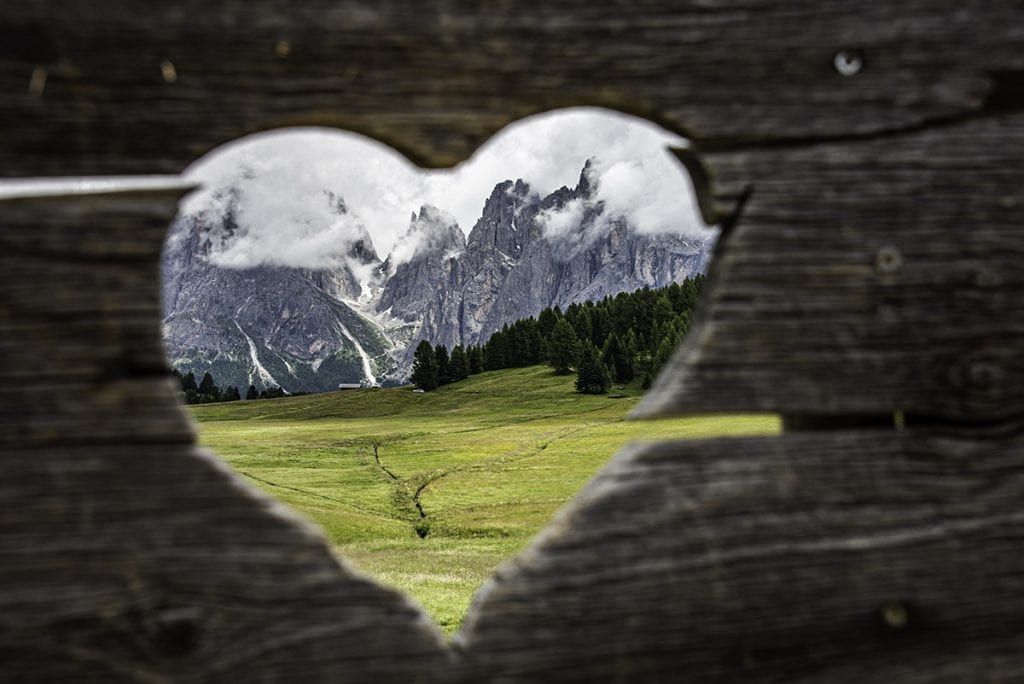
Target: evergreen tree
x=189, y=382
x=546, y=322
x=534, y=345
x=496, y=352
x=444, y=372
x=683, y=324
x=564, y=347
x=582, y=325
x=664, y=353
x=641, y=320
x=231, y=394
x=600, y=325
x=663, y=311
x=208, y=388
x=624, y=312
x=476, y=360
x=632, y=344
x=424, y=367
x=619, y=362
x=252, y=393
x=545, y=351
x=689, y=293
x=592, y=376
x=272, y=393
x=459, y=364
x=643, y=311
x=515, y=345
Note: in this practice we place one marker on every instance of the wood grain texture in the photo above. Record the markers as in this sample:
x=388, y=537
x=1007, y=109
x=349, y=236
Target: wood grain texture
x=865, y=277
x=870, y=265
x=126, y=554
x=84, y=89
x=81, y=357
x=869, y=556
x=154, y=563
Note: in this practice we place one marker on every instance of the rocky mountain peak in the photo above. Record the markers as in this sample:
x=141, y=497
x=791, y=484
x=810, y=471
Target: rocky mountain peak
x=586, y=186
x=504, y=223
x=336, y=202
x=362, y=249
x=421, y=259
x=361, y=320
x=438, y=229
x=430, y=234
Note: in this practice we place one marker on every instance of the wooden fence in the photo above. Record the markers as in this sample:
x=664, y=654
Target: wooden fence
x=865, y=159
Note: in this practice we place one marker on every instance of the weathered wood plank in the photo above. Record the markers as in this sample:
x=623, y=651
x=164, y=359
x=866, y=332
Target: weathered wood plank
x=81, y=358
x=156, y=563
x=814, y=557
x=126, y=553
x=873, y=268
x=866, y=277
x=104, y=88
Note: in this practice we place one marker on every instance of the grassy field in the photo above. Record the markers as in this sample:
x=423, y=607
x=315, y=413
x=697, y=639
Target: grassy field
x=431, y=492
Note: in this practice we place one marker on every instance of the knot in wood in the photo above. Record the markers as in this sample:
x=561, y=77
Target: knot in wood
x=168, y=71
x=888, y=260
x=894, y=615
x=37, y=83
x=282, y=49
x=982, y=375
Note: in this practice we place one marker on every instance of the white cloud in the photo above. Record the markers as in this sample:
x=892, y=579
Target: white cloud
x=648, y=191
x=285, y=219
x=419, y=230
x=561, y=221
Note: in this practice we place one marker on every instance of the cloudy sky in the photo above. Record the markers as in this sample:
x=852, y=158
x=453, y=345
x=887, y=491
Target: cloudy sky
x=282, y=178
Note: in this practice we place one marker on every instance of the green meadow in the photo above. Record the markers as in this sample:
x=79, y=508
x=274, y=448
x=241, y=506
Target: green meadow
x=430, y=492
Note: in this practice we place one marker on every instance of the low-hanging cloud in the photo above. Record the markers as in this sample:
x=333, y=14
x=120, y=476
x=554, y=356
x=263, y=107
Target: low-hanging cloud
x=281, y=186
x=562, y=221
x=418, y=232
x=650, y=192
x=282, y=178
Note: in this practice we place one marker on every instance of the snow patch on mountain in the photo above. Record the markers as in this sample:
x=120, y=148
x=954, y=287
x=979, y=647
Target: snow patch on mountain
x=263, y=374
x=364, y=357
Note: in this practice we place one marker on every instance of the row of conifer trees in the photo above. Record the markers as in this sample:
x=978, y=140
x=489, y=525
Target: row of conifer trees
x=616, y=339
x=206, y=390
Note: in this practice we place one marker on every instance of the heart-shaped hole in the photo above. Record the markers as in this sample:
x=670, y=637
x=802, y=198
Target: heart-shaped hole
x=298, y=268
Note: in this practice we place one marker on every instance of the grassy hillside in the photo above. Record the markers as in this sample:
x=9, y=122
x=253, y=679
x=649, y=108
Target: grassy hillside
x=431, y=492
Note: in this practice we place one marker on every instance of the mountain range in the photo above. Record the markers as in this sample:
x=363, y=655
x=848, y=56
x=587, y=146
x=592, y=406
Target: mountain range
x=357, y=321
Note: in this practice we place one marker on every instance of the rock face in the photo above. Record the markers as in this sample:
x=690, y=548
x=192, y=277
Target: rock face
x=527, y=252
x=422, y=264
x=269, y=325
x=310, y=330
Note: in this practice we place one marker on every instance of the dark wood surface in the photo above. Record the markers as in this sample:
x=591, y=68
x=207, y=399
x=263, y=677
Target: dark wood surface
x=834, y=557
x=869, y=269
x=435, y=80
x=126, y=553
x=866, y=277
